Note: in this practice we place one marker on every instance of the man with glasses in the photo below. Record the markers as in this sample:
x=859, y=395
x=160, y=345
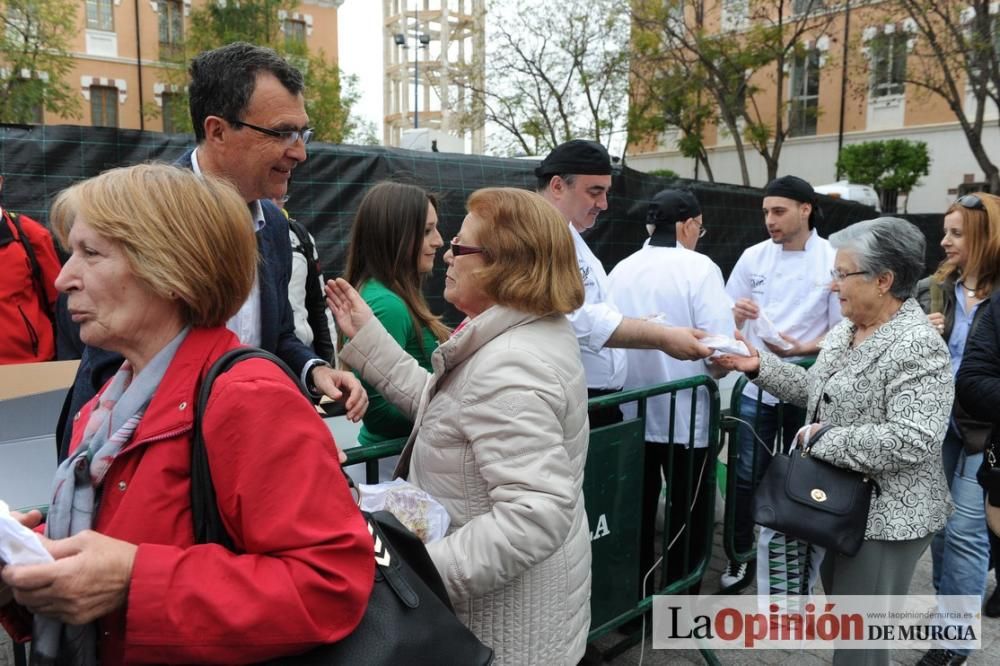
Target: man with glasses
x=666, y=277
x=251, y=127
x=576, y=178
x=781, y=291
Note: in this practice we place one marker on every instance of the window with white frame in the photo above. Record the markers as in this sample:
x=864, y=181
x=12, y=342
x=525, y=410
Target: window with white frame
x=804, y=94
x=888, y=63
x=800, y=7
x=22, y=24
x=27, y=97
x=100, y=15
x=173, y=106
x=295, y=31
x=104, y=106
x=735, y=14
x=171, y=24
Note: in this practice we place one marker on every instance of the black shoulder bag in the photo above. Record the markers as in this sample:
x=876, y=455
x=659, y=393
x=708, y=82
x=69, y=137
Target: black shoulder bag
x=815, y=501
x=409, y=618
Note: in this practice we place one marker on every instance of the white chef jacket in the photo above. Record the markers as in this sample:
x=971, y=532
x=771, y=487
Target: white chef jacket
x=687, y=288
x=791, y=287
x=595, y=321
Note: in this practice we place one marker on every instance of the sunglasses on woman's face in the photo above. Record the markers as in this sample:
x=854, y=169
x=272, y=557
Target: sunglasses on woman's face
x=459, y=250
x=971, y=201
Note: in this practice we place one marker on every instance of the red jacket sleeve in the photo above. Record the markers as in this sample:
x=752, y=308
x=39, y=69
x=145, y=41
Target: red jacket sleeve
x=307, y=566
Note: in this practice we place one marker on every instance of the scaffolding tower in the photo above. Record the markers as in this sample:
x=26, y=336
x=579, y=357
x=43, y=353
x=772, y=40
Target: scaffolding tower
x=434, y=53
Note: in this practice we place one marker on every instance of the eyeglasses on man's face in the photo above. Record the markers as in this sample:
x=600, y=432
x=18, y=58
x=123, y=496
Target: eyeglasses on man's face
x=287, y=136
x=459, y=250
x=701, y=230
x=971, y=201
x=840, y=276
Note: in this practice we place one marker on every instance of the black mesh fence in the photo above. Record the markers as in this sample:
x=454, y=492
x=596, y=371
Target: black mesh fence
x=327, y=188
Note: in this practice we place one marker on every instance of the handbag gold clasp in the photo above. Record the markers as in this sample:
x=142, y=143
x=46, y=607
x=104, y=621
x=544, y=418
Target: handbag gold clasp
x=818, y=495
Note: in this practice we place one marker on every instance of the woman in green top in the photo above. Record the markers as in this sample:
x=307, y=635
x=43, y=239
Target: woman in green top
x=394, y=242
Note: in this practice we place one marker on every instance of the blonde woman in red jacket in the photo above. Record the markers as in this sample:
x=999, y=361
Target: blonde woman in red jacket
x=129, y=584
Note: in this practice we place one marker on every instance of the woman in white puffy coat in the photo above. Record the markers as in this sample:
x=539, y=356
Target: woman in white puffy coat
x=500, y=435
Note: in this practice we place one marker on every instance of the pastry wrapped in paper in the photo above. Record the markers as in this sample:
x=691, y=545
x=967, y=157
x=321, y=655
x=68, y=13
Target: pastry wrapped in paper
x=416, y=509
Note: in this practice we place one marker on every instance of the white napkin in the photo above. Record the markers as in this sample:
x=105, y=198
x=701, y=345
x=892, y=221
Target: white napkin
x=768, y=332
x=725, y=345
x=18, y=544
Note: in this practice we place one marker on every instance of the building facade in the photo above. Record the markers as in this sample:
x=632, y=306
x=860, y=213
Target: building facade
x=430, y=49
x=848, y=85
x=123, y=50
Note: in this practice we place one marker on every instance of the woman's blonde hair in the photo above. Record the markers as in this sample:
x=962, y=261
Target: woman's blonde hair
x=187, y=236
x=981, y=230
x=530, y=259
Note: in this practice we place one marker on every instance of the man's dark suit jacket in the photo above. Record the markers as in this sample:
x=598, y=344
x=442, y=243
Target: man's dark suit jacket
x=277, y=328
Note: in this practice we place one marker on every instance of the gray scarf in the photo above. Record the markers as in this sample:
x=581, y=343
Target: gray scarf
x=116, y=414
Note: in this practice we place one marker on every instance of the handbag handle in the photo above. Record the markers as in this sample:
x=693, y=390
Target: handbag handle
x=208, y=525
x=807, y=450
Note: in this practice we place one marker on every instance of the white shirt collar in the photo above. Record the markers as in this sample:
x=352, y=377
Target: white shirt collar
x=256, y=210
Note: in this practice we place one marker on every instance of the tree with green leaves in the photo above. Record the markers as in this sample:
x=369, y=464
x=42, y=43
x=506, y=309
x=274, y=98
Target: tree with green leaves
x=728, y=51
x=329, y=94
x=554, y=71
x=956, y=57
x=35, y=60
x=892, y=167
x=668, y=97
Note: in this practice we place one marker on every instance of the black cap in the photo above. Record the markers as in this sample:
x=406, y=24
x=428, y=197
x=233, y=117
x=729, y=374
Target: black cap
x=791, y=187
x=672, y=206
x=579, y=156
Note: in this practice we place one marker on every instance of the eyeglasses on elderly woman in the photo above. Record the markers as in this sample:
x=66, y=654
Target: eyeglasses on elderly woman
x=840, y=276
x=970, y=201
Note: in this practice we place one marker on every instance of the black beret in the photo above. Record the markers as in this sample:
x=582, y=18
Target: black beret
x=579, y=156
x=672, y=206
x=791, y=187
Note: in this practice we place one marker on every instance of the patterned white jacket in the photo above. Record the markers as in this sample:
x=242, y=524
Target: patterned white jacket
x=889, y=401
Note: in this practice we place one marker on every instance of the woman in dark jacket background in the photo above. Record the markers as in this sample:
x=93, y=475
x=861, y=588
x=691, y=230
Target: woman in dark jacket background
x=953, y=298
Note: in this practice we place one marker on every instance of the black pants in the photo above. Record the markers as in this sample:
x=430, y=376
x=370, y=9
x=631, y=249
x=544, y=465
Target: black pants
x=693, y=533
x=603, y=416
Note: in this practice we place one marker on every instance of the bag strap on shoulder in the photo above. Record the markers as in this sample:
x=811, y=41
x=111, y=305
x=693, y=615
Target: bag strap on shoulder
x=937, y=296
x=36, y=268
x=208, y=525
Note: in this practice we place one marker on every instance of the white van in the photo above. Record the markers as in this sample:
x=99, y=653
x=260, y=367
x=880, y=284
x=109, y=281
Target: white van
x=851, y=192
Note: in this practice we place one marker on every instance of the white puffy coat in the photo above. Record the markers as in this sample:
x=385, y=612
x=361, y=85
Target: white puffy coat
x=500, y=438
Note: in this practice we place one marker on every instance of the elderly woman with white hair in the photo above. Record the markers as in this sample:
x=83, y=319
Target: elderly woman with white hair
x=879, y=397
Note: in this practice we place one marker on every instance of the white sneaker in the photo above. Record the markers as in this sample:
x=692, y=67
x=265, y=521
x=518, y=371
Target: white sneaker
x=734, y=573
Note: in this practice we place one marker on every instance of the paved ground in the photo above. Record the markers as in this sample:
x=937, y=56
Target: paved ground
x=990, y=654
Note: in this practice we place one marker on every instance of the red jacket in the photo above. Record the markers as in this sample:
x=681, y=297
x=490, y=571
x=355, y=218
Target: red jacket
x=309, y=563
x=26, y=334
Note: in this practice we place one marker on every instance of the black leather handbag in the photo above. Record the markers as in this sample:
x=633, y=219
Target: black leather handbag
x=409, y=618
x=812, y=500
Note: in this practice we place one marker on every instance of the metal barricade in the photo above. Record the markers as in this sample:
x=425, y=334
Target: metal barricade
x=613, y=483
x=613, y=480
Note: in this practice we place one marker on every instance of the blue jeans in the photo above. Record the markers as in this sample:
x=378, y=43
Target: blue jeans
x=962, y=549
x=766, y=425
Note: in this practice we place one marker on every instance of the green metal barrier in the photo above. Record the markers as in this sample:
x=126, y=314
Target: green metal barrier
x=370, y=454
x=613, y=489
x=730, y=431
x=612, y=486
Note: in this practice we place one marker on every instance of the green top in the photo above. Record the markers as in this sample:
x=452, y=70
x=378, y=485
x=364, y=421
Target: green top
x=383, y=421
